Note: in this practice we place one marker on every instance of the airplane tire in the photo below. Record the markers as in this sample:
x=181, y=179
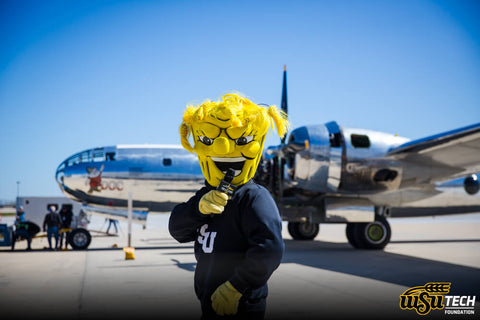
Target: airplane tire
x=79, y=239
x=372, y=235
x=303, y=230
x=351, y=232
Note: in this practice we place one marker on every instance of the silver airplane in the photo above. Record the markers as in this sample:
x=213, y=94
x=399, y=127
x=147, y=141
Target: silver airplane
x=323, y=174
x=158, y=176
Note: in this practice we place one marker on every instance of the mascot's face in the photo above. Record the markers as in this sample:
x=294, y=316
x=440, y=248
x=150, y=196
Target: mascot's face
x=228, y=134
x=220, y=146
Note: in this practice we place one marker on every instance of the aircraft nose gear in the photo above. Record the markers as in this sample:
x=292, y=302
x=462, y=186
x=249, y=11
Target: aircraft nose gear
x=303, y=230
x=372, y=235
x=80, y=239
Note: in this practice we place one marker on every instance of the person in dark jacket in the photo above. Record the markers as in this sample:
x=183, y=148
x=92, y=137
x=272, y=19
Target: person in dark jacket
x=53, y=222
x=66, y=215
x=238, y=239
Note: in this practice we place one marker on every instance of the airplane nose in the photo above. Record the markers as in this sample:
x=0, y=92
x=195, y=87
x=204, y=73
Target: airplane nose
x=221, y=145
x=60, y=173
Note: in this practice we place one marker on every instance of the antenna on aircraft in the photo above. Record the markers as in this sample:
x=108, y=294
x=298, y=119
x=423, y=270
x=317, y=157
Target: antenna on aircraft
x=284, y=104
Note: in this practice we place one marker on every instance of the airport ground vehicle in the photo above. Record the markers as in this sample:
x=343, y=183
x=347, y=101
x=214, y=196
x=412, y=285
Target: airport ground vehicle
x=6, y=235
x=37, y=207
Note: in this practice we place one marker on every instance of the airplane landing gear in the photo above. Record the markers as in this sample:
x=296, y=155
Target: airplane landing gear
x=303, y=230
x=79, y=239
x=371, y=235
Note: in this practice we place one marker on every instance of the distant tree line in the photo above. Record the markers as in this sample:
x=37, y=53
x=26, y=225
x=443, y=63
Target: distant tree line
x=7, y=203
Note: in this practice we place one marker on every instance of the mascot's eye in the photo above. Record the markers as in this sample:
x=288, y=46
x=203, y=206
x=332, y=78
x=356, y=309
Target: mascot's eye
x=205, y=140
x=244, y=140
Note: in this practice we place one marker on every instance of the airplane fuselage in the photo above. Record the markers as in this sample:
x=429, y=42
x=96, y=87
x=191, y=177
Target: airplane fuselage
x=158, y=176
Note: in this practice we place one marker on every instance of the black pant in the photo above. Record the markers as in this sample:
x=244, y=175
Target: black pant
x=65, y=235
x=247, y=309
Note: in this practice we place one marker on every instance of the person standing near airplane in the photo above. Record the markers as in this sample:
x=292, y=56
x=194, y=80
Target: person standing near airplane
x=238, y=240
x=53, y=221
x=66, y=215
x=20, y=217
x=110, y=223
x=21, y=229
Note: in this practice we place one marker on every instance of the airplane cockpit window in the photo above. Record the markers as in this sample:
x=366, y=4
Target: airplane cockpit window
x=98, y=156
x=85, y=156
x=110, y=156
x=360, y=141
x=73, y=160
x=167, y=162
x=61, y=167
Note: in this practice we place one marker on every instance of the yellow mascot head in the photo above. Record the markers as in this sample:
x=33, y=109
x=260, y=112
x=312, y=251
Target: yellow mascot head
x=229, y=133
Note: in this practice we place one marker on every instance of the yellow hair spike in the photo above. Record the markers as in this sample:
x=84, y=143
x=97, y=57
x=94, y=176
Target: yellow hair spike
x=280, y=119
x=184, y=134
x=236, y=122
x=201, y=113
x=188, y=114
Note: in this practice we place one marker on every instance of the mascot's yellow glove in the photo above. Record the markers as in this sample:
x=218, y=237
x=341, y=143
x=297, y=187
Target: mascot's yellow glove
x=225, y=299
x=213, y=202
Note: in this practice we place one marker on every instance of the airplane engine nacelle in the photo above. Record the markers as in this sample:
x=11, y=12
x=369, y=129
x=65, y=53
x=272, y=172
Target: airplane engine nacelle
x=309, y=157
x=471, y=184
x=327, y=158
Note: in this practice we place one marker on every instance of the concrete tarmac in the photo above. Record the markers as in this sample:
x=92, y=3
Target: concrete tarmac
x=321, y=278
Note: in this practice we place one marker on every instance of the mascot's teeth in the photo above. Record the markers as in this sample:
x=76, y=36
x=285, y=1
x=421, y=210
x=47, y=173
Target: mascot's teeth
x=225, y=163
x=223, y=159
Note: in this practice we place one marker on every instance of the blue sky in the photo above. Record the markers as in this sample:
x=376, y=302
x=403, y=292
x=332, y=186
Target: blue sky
x=81, y=74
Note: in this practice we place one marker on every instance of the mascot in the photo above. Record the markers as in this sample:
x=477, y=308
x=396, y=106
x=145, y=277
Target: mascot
x=237, y=230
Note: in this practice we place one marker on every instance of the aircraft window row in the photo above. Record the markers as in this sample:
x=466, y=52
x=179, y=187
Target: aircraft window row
x=167, y=162
x=73, y=160
x=97, y=156
x=84, y=157
x=89, y=156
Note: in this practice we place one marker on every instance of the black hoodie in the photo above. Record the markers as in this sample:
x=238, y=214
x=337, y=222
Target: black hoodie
x=243, y=244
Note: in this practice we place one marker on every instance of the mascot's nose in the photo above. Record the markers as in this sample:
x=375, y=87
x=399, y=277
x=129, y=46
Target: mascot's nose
x=221, y=145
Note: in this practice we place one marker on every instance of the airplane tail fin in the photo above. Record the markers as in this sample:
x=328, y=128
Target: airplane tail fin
x=284, y=105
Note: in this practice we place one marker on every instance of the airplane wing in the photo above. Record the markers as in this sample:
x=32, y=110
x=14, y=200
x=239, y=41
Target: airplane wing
x=440, y=157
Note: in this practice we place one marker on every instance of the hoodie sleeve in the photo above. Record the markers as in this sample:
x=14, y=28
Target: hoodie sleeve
x=262, y=226
x=185, y=218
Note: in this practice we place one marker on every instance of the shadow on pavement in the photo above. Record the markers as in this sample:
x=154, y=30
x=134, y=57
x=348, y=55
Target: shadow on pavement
x=380, y=265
